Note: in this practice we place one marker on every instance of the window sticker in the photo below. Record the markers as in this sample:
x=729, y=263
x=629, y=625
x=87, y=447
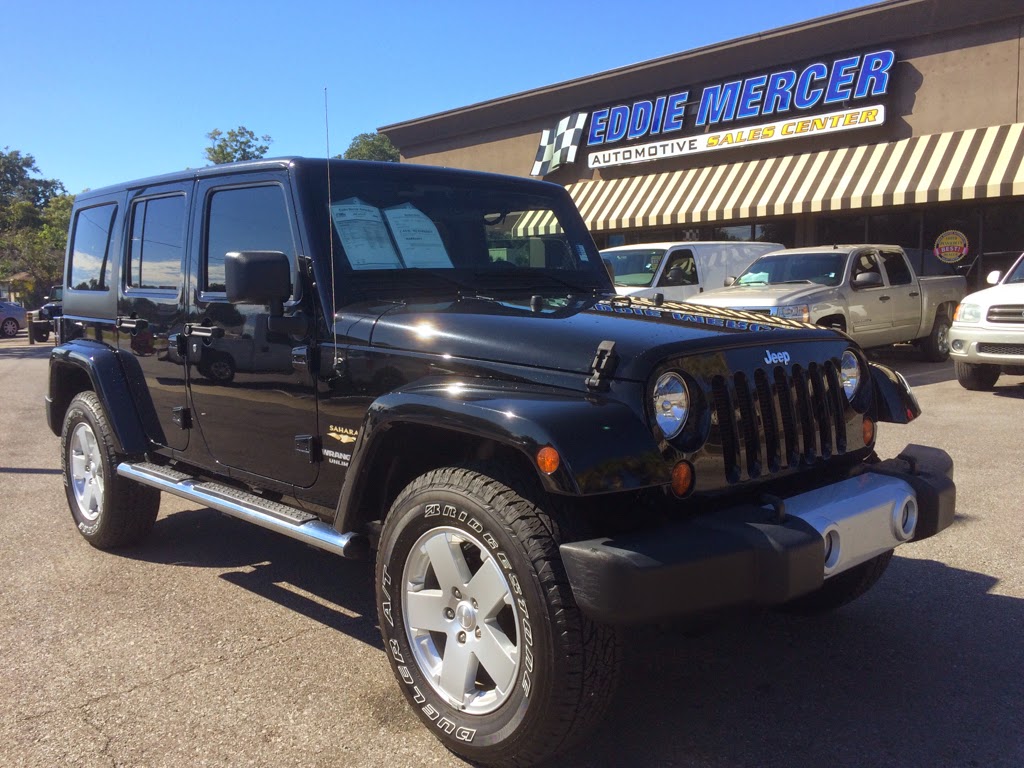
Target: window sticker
x=417, y=237
x=364, y=235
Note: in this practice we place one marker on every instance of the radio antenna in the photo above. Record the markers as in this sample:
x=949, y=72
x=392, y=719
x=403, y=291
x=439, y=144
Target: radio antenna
x=330, y=237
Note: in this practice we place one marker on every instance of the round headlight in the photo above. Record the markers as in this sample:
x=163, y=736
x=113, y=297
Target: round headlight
x=849, y=372
x=671, y=403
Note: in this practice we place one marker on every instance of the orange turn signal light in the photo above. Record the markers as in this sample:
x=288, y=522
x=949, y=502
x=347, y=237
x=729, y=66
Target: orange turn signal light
x=869, y=431
x=682, y=478
x=548, y=460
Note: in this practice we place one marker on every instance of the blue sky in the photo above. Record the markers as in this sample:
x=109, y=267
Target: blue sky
x=101, y=92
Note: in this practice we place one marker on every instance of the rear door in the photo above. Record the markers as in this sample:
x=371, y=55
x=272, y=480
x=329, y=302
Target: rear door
x=905, y=293
x=151, y=305
x=252, y=395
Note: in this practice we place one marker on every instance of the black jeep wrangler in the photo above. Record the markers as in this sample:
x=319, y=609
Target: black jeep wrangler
x=433, y=365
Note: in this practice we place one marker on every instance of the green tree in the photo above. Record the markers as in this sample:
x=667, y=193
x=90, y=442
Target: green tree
x=23, y=195
x=238, y=144
x=372, y=146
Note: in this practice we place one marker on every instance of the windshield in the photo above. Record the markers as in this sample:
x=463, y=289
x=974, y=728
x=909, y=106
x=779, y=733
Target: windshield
x=443, y=233
x=822, y=268
x=635, y=268
x=1017, y=273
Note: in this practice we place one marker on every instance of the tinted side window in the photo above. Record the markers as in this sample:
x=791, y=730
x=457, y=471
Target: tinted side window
x=90, y=248
x=158, y=240
x=244, y=219
x=896, y=268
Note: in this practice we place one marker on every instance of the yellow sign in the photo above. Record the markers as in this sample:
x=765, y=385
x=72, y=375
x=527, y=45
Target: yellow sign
x=951, y=246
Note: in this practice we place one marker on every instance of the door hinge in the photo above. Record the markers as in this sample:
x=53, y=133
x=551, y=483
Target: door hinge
x=308, y=445
x=182, y=416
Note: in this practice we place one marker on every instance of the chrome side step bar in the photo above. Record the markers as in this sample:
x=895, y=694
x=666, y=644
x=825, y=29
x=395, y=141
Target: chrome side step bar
x=272, y=515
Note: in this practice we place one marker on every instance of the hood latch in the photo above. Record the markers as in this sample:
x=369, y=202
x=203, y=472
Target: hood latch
x=603, y=367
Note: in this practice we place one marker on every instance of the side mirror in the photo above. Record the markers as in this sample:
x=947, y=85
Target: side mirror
x=993, y=277
x=264, y=277
x=730, y=280
x=258, y=277
x=867, y=280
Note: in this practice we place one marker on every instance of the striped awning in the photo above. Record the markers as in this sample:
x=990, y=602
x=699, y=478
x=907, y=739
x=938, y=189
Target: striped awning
x=957, y=165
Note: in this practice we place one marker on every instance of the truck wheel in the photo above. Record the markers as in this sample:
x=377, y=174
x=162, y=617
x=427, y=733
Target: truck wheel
x=842, y=588
x=480, y=625
x=977, y=376
x=109, y=510
x=936, y=344
x=40, y=334
x=218, y=367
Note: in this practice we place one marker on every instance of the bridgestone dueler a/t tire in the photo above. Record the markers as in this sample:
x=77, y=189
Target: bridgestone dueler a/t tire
x=567, y=665
x=841, y=589
x=126, y=510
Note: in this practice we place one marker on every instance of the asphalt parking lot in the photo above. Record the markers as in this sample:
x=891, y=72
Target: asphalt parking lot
x=220, y=644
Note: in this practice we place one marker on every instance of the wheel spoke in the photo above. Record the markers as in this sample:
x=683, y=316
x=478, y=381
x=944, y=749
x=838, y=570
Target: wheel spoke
x=489, y=589
x=458, y=670
x=497, y=655
x=77, y=465
x=424, y=610
x=87, y=496
x=448, y=563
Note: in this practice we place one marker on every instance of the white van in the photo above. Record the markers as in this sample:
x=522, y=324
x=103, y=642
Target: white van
x=681, y=270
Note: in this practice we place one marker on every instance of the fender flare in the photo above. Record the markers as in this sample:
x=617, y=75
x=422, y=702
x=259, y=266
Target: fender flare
x=604, y=445
x=103, y=367
x=895, y=402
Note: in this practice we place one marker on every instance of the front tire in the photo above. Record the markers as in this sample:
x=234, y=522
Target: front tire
x=978, y=377
x=9, y=328
x=480, y=625
x=108, y=510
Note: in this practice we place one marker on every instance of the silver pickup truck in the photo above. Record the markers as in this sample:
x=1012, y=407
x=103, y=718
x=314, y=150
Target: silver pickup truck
x=868, y=291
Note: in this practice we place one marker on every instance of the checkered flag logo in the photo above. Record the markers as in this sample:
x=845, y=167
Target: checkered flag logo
x=558, y=145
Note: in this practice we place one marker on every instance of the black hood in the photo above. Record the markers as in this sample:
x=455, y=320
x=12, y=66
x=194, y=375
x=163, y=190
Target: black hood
x=564, y=335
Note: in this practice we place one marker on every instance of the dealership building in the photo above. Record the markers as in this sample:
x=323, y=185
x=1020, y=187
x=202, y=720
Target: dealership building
x=899, y=122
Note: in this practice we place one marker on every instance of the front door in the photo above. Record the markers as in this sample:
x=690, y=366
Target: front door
x=151, y=307
x=252, y=396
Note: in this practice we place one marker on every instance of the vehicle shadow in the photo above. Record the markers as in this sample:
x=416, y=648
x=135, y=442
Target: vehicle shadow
x=910, y=362
x=1013, y=390
x=324, y=587
x=922, y=671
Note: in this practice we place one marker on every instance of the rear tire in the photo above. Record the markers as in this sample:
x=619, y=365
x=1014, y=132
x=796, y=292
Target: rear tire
x=936, y=344
x=108, y=510
x=978, y=377
x=480, y=625
x=9, y=328
x=841, y=589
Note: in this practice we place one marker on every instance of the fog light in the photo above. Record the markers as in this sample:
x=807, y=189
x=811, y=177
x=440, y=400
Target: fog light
x=869, y=431
x=833, y=550
x=958, y=345
x=548, y=460
x=904, y=519
x=682, y=478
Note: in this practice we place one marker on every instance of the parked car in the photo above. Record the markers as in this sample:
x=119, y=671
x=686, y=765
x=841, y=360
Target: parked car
x=987, y=337
x=534, y=459
x=679, y=271
x=868, y=291
x=12, y=318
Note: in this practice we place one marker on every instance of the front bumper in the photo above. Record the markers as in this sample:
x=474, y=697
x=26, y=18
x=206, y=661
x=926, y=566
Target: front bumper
x=763, y=555
x=964, y=341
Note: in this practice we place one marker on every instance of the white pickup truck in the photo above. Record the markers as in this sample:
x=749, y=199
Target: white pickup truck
x=868, y=291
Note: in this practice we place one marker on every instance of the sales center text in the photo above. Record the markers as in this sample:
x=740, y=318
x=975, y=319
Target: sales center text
x=817, y=85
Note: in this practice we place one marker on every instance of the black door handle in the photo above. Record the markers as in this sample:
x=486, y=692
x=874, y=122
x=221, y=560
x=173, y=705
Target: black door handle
x=914, y=294
x=884, y=298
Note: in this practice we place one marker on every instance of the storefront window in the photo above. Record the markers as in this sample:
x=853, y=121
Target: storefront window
x=1004, y=227
x=902, y=228
x=737, y=232
x=779, y=231
x=841, y=229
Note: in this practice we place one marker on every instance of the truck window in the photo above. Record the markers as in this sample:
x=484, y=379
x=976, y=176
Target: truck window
x=680, y=269
x=158, y=238
x=90, y=246
x=244, y=219
x=896, y=268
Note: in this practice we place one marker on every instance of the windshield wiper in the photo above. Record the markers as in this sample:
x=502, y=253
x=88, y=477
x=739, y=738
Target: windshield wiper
x=533, y=276
x=791, y=282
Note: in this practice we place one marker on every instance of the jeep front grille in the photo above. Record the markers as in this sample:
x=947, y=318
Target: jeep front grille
x=778, y=419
